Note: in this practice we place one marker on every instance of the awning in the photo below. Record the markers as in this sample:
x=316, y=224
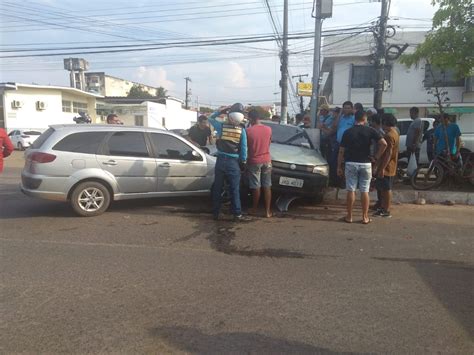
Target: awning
x=452, y=110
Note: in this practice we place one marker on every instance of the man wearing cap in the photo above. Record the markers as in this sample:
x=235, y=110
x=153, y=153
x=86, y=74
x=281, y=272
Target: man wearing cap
x=231, y=146
x=324, y=124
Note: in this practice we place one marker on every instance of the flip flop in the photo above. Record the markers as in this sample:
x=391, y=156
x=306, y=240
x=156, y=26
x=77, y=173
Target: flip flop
x=366, y=222
x=343, y=219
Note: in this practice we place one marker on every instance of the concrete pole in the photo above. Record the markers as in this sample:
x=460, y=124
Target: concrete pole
x=380, y=59
x=284, y=66
x=316, y=64
x=186, y=105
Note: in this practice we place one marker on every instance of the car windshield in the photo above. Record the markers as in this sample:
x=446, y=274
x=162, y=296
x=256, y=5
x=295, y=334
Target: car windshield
x=289, y=135
x=32, y=133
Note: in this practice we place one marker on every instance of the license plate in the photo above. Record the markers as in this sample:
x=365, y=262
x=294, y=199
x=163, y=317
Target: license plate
x=287, y=181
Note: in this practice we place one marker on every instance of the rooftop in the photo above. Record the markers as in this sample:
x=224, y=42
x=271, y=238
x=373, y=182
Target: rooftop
x=16, y=86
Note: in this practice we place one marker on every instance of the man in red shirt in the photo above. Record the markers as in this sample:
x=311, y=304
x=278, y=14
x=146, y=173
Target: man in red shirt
x=259, y=162
x=6, y=147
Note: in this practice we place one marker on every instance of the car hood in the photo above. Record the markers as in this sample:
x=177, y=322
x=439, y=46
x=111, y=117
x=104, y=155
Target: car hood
x=296, y=155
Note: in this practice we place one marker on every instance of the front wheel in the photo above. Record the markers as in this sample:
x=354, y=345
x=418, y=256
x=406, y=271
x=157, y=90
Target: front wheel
x=90, y=199
x=427, y=178
x=20, y=146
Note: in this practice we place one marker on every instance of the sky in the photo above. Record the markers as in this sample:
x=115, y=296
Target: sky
x=247, y=73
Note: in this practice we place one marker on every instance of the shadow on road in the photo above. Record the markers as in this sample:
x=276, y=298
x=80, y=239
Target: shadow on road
x=192, y=340
x=451, y=282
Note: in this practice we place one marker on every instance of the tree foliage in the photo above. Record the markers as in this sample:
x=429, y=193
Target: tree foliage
x=139, y=92
x=161, y=92
x=263, y=114
x=204, y=109
x=450, y=43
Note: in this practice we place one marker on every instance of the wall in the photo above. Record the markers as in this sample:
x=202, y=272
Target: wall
x=406, y=86
x=120, y=87
x=28, y=117
x=172, y=114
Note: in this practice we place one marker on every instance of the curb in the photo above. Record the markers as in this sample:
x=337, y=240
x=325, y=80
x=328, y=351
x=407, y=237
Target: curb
x=412, y=196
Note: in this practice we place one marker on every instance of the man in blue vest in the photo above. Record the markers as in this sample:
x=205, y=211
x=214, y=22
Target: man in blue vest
x=231, y=146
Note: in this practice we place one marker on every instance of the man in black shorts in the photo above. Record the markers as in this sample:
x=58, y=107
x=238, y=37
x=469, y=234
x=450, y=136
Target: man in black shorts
x=200, y=133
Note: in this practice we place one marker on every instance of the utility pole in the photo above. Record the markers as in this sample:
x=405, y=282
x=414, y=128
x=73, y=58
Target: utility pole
x=301, y=97
x=186, y=105
x=284, y=67
x=316, y=63
x=380, y=59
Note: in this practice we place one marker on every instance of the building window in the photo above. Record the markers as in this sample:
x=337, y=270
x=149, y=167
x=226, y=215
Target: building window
x=363, y=76
x=66, y=106
x=94, y=79
x=138, y=120
x=79, y=106
x=441, y=77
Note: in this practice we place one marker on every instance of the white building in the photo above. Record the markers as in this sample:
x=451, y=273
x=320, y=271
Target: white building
x=168, y=113
x=350, y=76
x=36, y=107
x=107, y=85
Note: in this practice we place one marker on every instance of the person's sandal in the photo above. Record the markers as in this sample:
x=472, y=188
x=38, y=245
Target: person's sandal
x=367, y=222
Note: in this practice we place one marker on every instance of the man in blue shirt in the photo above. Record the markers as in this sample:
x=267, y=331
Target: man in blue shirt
x=341, y=124
x=231, y=146
x=450, y=131
x=325, y=126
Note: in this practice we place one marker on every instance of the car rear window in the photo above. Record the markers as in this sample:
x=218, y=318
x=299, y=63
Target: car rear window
x=81, y=142
x=32, y=133
x=41, y=139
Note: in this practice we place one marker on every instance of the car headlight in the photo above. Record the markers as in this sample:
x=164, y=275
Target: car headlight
x=321, y=169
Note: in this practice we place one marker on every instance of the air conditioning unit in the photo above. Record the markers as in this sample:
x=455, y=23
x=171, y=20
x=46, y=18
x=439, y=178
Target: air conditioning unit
x=16, y=104
x=40, y=105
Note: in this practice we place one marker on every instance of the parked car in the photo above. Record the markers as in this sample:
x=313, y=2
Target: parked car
x=91, y=166
x=23, y=139
x=298, y=168
x=403, y=124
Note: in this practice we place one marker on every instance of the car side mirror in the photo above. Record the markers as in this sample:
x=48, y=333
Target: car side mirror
x=196, y=155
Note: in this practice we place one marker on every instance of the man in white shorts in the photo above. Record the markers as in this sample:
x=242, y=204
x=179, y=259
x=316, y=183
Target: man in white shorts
x=355, y=152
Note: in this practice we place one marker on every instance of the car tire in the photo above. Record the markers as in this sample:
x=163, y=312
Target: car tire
x=20, y=146
x=90, y=198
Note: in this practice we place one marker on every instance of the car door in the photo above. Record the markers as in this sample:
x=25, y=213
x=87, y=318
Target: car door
x=126, y=155
x=180, y=167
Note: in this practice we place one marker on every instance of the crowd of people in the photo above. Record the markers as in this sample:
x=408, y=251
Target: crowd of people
x=361, y=147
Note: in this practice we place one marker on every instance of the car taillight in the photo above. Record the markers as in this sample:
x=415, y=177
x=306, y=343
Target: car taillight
x=23, y=136
x=41, y=157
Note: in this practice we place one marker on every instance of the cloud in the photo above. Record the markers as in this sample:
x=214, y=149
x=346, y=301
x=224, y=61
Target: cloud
x=236, y=76
x=154, y=77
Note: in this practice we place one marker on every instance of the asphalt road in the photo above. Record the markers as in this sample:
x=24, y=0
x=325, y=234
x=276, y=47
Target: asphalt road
x=160, y=276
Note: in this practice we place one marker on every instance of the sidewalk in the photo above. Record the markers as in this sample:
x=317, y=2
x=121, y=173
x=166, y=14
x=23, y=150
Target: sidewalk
x=408, y=195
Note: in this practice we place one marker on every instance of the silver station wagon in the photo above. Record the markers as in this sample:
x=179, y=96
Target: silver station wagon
x=92, y=165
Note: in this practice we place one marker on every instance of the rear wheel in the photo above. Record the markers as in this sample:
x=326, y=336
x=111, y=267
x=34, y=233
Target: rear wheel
x=427, y=178
x=20, y=146
x=469, y=172
x=90, y=199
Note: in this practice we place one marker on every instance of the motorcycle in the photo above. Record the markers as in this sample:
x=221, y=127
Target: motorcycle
x=83, y=118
